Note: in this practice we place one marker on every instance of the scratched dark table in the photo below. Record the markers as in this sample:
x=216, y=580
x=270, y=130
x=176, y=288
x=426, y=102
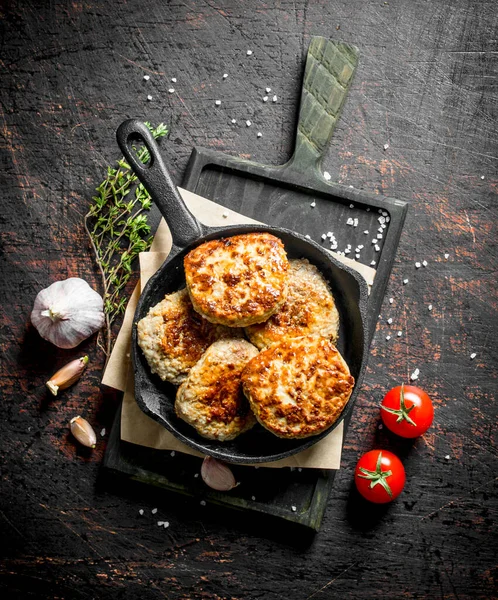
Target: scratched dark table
x=426, y=86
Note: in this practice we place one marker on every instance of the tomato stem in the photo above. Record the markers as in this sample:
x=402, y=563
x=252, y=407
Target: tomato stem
x=403, y=412
x=378, y=476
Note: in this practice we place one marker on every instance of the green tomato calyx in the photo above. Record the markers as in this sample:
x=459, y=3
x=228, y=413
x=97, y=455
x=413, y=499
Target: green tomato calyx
x=403, y=412
x=378, y=476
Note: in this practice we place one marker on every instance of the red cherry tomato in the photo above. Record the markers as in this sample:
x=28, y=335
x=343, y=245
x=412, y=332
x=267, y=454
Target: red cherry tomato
x=407, y=411
x=380, y=476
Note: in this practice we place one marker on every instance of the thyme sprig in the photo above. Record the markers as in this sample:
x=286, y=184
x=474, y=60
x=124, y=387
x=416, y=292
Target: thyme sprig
x=117, y=227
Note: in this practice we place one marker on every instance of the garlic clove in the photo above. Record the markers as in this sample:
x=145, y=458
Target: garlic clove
x=217, y=475
x=68, y=375
x=83, y=431
x=68, y=312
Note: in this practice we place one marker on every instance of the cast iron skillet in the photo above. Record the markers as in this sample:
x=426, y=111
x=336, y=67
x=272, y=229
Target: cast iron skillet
x=155, y=397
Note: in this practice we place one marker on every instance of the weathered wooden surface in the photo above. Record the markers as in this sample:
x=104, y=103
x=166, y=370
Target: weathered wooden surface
x=425, y=85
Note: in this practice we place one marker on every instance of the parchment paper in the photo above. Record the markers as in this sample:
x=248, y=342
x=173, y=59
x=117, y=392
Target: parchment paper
x=138, y=428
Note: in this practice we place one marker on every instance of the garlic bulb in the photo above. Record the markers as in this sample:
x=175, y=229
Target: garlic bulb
x=217, y=475
x=68, y=312
x=83, y=431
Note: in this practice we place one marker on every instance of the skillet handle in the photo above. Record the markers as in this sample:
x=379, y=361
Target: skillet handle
x=157, y=181
x=330, y=66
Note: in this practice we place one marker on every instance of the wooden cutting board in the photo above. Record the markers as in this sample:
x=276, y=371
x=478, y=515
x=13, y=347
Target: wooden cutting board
x=296, y=196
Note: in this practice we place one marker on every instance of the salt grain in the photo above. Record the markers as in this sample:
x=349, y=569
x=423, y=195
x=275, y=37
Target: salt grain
x=366, y=232
x=405, y=281
x=141, y=512
x=326, y=175
x=430, y=307
x=165, y=524
x=173, y=79
x=307, y=237
x=473, y=355
x=372, y=263
x=424, y=263
x=377, y=248
x=351, y=206
x=203, y=503
x=234, y=121
x=196, y=475
x=313, y=204
x=154, y=511
x=146, y=77
x=400, y=333
x=388, y=337
x=447, y=457
x=218, y=102
x=446, y=256
x=379, y=236
x=225, y=75
x=149, y=98
x=225, y=215
x=171, y=90
x=386, y=146
x=415, y=375
x=417, y=265
x=357, y=256
x=482, y=176
x=268, y=90
x=294, y=508
x=389, y=321
x=102, y=432
x=259, y=134
x=391, y=300
x=253, y=498
x=265, y=98
x=274, y=99
x=248, y=123
x=324, y=236
x=172, y=453
x=249, y=52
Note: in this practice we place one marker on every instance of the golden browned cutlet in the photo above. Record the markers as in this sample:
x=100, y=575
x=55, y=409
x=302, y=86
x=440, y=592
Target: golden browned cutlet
x=239, y=280
x=309, y=309
x=173, y=336
x=298, y=387
x=211, y=398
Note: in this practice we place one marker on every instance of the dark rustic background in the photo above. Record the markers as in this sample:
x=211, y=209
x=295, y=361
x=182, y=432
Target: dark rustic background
x=427, y=86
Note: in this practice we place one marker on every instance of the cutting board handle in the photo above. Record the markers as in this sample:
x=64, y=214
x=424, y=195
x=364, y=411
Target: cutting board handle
x=330, y=66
